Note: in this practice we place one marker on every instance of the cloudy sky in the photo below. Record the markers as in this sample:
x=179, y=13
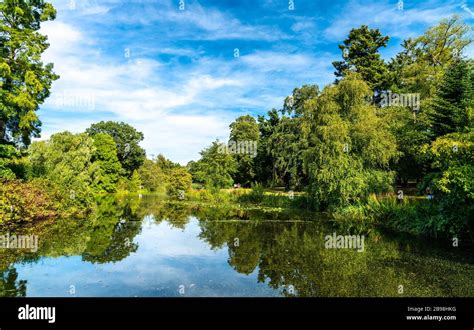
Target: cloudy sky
x=182, y=71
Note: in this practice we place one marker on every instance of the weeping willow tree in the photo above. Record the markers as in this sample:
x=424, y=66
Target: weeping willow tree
x=349, y=146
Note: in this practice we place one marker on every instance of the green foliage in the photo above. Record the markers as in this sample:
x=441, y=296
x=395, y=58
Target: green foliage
x=452, y=178
x=127, y=140
x=286, y=146
x=420, y=67
x=108, y=168
x=161, y=174
x=294, y=104
x=165, y=164
x=8, y=154
x=25, y=202
x=414, y=216
x=282, y=141
x=353, y=219
x=215, y=168
x=256, y=194
x=25, y=81
x=244, y=131
x=179, y=183
x=135, y=183
x=65, y=161
x=451, y=108
x=349, y=146
x=410, y=135
x=10, y=286
x=360, y=53
x=152, y=176
x=264, y=162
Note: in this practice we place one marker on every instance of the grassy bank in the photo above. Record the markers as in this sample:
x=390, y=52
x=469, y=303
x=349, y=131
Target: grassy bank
x=414, y=215
x=411, y=215
x=26, y=202
x=23, y=202
x=256, y=196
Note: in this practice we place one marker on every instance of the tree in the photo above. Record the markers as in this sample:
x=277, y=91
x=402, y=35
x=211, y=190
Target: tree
x=420, y=67
x=452, y=180
x=294, y=104
x=152, y=176
x=286, y=143
x=360, y=52
x=108, y=168
x=135, y=182
x=25, y=81
x=264, y=162
x=165, y=164
x=349, y=146
x=127, y=140
x=8, y=154
x=410, y=135
x=215, y=168
x=451, y=109
x=65, y=161
x=10, y=286
x=179, y=182
x=244, y=132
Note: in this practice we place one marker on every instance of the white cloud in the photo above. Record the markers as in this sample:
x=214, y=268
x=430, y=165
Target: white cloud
x=303, y=25
x=84, y=7
x=386, y=16
x=132, y=90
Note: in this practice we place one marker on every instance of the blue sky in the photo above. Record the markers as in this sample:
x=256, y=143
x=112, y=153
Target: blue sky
x=173, y=73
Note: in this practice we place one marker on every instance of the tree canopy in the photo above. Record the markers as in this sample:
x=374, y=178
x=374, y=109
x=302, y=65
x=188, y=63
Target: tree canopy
x=25, y=81
x=127, y=140
x=360, y=52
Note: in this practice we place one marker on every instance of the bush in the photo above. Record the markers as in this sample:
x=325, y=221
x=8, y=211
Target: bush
x=25, y=202
x=353, y=219
x=257, y=193
x=179, y=182
x=414, y=216
x=64, y=161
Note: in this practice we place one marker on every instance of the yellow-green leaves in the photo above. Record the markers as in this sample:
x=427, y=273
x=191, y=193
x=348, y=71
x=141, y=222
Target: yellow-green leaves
x=25, y=81
x=349, y=146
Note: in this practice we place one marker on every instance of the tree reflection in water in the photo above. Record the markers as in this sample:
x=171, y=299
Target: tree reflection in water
x=285, y=249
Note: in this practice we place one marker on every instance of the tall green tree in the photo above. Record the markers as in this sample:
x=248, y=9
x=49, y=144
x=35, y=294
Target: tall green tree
x=244, y=132
x=108, y=168
x=451, y=178
x=165, y=164
x=451, y=110
x=179, y=182
x=152, y=175
x=420, y=66
x=135, y=182
x=127, y=140
x=360, y=52
x=286, y=143
x=349, y=146
x=215, y=168
x=264, y=161
x=25, y=81
x=65, y=161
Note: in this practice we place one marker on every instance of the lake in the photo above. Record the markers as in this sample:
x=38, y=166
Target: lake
x=154, y=247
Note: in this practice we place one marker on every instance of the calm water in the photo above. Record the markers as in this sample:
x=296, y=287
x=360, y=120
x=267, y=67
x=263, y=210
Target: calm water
x=154, y=247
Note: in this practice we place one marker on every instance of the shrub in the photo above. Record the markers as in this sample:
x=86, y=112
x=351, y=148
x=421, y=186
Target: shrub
x=25, y=202
x=179, y=182
x=414, y=216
